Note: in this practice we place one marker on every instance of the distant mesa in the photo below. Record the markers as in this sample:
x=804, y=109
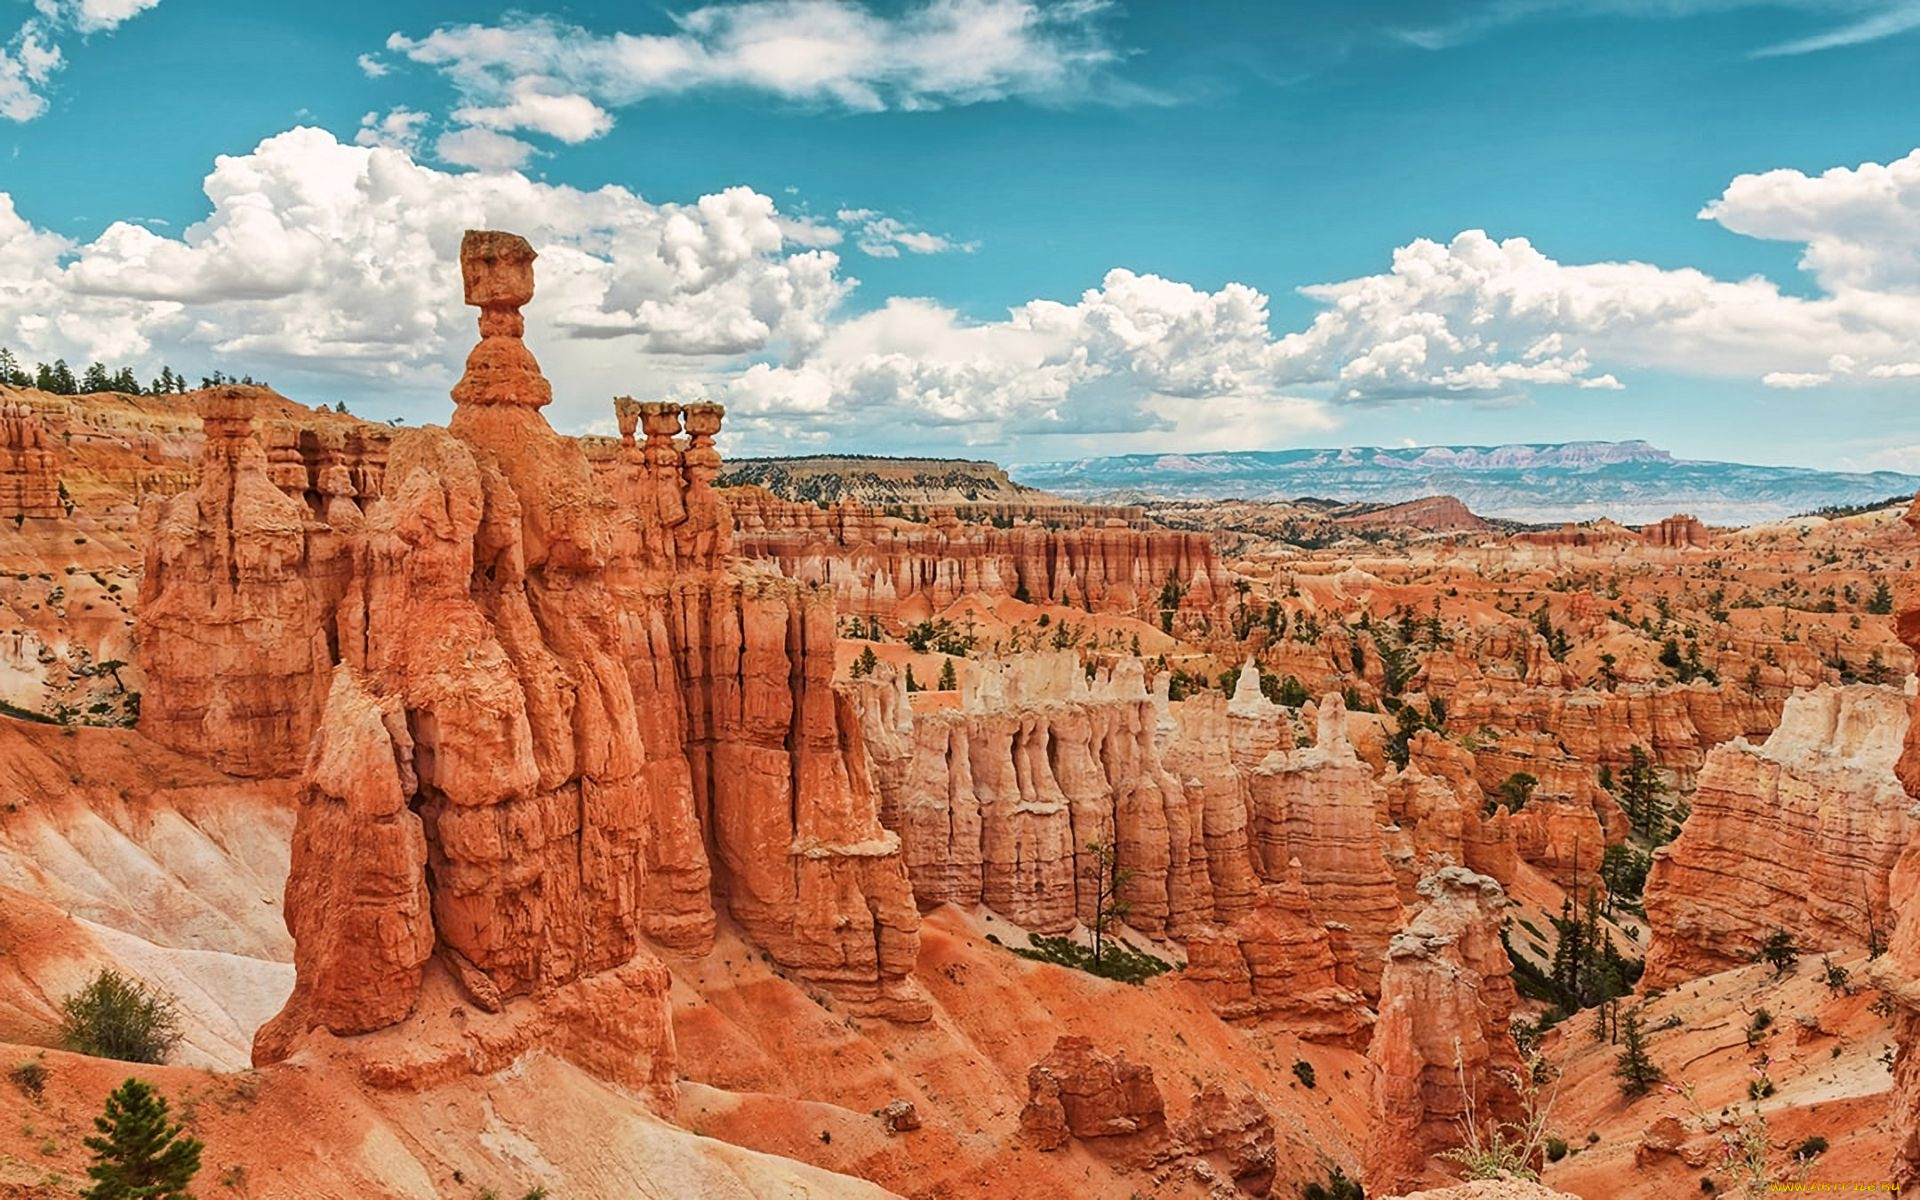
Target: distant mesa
x=1631, y=482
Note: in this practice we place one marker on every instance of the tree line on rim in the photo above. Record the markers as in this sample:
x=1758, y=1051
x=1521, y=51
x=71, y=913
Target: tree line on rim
x=58, y=379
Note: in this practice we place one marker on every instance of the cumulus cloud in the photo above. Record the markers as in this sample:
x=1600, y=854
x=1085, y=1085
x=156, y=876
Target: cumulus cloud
x=31, y=56
x=338, y=264
x=882, y=236
x=331, y=268
x=1137, y=358
x=1860, y=225
x=1479, y=318
x=372, y=67
x=538, y=75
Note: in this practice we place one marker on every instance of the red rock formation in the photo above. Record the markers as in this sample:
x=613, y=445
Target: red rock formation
x=1678, y=532
x=996, y=801
x=901, y=570
x=1445, y=1001
x=590, y=708
x=29, y=473
x=1799, y=833
x=234, y=638
x=1277, y=963
x=1077, y=1092
x=1433, y=514
x=362, y=932
x=1316, y=812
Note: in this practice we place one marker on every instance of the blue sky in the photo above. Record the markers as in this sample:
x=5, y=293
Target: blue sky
x=1006, y=228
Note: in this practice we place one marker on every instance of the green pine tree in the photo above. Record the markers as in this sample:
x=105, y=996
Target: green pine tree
x=1643, y=797
x=1635, y=1068
x=949, y=681
x=1881, y=602
x=139, y=1156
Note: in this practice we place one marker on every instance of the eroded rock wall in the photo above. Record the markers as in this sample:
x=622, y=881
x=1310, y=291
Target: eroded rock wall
x=1442, y=1043
x=1799, y=833
x=903, y=570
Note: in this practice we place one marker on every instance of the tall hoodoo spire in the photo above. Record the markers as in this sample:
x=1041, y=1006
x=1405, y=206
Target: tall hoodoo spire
x=497, y=271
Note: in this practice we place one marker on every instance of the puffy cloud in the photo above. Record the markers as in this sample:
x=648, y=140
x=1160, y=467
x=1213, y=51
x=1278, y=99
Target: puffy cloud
x=882, y=236
x=31, y=56
x=334, y=267
x=1138, y=359
x=536, y=74
x=1860, y=225
x=372, y=67
x=92, y=16
x=1479, y=319
x=330, y=269
x=568, y=117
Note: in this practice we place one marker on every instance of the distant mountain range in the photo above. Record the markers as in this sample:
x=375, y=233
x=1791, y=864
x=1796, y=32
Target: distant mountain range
x=1632, y=482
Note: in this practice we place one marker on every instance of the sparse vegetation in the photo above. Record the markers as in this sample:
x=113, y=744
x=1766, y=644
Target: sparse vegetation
x=1635, y=1068
x=1781, y=951
x=1337, y=1187
x=1493, y=1149
x=30, y=1077
x=117, y=1017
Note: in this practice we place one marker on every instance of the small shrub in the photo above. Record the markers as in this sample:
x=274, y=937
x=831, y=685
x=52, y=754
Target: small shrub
x=1593, y=1137
x=1303, y=1071
x=1117, y=959
x=1707, y=1185
x=1337, y=1187
x=116, y=1017
x=1759, y=1089
x=1810, y=1149
x=30, y=1077
x=535, y=1193
x=1556, y=1149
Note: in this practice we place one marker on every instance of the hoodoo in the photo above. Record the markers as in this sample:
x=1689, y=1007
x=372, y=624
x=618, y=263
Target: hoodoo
x=549, y=710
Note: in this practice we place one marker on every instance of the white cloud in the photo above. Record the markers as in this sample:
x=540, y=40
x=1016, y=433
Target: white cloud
x=372, y=67
x=335, y=266
x=571, y=118
x=1138, y=360
x=1480, y=319
x=537, y=74
x=92, y=16
x=1860, y=225
x=882, y=236
x=31, y=56
x=327, y=267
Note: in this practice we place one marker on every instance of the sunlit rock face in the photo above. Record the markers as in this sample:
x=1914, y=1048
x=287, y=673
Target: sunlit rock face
x=1799, y=833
